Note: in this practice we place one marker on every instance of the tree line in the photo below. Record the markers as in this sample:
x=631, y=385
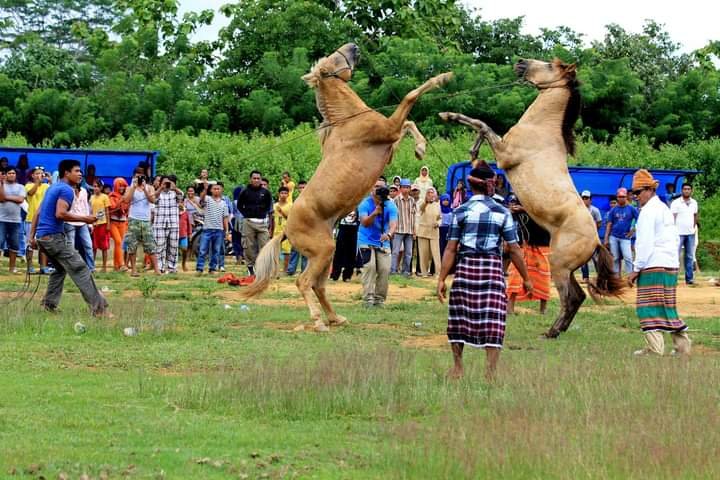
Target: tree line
x=76, y=71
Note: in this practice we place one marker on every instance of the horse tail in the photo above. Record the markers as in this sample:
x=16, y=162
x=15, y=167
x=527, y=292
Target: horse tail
x=608, y=282
x=266, y=268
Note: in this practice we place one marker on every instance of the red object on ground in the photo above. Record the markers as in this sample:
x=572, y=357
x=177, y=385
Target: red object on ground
x=231, y=279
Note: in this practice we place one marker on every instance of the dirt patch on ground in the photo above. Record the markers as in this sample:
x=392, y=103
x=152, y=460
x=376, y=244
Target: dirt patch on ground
x=338, y=292
x=433, y=342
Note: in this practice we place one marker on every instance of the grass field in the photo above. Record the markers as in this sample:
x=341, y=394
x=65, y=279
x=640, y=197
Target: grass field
x=206, y=391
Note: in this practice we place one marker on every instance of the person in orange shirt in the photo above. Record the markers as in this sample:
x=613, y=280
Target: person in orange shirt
x=118, y=222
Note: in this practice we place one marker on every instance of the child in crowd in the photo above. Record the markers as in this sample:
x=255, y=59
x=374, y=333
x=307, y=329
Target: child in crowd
x=185, y=233
x=100, y=204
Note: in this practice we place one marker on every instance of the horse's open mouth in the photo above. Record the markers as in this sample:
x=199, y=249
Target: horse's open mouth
x=520, y=68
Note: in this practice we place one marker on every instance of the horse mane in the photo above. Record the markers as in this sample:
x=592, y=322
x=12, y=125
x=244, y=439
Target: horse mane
x=572, y=112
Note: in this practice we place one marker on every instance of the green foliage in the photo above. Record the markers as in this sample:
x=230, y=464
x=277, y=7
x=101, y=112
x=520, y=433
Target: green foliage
x=109, y=67
x=147, y=286
x=213, y=393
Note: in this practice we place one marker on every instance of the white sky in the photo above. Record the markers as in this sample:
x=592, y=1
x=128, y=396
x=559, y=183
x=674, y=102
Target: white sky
x=692, y=23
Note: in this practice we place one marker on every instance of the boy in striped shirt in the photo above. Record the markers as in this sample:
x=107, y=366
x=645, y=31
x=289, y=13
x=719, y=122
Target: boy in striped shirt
x=215, y=229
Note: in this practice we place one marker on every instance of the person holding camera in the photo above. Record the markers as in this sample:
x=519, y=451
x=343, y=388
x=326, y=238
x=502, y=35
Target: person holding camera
x=166, y=227
x=378, y=222
x=48, y=232
x=140, y=195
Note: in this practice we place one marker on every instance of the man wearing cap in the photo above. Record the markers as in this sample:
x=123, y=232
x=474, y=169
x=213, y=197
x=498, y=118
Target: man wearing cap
x=394, y=192
x=655, y=270
x=620, y=230
x=586, y=196
x=478, y=303
x=403, y=239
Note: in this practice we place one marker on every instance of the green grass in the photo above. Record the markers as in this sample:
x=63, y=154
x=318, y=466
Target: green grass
x=209, y=392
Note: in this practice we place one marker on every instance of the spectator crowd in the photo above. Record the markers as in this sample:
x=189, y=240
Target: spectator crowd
x=401, y=228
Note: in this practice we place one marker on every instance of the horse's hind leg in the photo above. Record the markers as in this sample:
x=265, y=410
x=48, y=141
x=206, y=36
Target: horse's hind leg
x=319, y=251
x=576, y=297
x=319, y=289
x=571, y=297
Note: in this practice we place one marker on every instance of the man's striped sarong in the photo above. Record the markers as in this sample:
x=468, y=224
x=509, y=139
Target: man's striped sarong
x=656, y=307
x=478, y=305
x=538, y=266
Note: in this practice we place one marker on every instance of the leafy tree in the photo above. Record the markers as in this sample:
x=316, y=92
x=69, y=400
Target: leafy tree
x=652, y=54
x=56, y=22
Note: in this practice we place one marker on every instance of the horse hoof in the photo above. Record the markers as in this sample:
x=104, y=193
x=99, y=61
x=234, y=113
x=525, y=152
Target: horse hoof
x=550, y=335
x=444, y=78
x=299, y=328
x=444, y=116
x=321, y=327
x=337, y=321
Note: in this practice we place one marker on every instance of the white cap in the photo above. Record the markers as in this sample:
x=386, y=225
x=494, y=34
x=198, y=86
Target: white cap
x=586, y=193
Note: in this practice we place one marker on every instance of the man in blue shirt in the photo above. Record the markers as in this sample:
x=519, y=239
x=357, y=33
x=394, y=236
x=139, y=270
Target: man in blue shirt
x=620, y=230
x=48, y=232
x=378, y=221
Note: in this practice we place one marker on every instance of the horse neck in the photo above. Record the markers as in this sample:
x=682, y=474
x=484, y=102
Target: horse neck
x=337, y=101
x=548, y=108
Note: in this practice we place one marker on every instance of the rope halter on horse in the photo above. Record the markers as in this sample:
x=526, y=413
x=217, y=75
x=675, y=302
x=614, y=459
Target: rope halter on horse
x=342, y=69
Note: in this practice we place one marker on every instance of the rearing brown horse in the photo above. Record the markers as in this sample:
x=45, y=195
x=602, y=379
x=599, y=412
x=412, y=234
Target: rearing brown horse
x=533, y=154
x=357, y=144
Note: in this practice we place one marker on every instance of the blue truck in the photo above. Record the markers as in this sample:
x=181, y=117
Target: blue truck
x=109, y=164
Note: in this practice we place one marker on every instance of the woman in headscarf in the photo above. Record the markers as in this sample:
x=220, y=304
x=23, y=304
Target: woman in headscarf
x=535, y=244
x=445, y=219
x=428, y=232
x=424, y=182
x=118, y=222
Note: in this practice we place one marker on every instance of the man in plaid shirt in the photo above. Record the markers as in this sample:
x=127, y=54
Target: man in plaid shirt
x=478, y=304
x=166, y=224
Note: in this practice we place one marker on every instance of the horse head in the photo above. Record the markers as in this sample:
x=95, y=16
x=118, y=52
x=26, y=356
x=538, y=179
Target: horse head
x=546, y=74
x=340, y=64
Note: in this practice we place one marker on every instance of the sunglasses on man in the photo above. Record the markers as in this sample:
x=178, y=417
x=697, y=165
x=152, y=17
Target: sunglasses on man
x=638, y=191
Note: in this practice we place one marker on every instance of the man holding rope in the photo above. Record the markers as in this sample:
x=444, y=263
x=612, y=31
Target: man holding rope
x=48, y=232
x=478, y=303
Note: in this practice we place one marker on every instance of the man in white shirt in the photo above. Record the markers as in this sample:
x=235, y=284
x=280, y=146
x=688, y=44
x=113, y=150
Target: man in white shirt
x=685, y=211
x=655, y=270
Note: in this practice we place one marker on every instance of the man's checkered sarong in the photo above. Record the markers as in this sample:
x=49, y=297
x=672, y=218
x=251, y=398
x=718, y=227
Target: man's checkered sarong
x=478, y=304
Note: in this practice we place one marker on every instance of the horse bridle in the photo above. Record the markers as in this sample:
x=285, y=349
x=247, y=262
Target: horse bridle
x=543, y=85
x=337, y=72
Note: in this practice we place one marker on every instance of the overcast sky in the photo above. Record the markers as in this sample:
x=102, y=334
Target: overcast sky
x=692, y=23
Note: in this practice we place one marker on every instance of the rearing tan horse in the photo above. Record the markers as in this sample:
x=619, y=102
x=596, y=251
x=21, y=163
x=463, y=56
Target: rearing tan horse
x=533, y=154
x=357, y=144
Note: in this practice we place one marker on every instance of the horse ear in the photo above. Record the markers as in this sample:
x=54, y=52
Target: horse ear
x=570, y=68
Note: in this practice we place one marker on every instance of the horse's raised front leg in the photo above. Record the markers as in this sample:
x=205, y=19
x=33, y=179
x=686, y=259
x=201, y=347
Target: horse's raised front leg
x=409, y=128
x=484, y=132
x=402, y=111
